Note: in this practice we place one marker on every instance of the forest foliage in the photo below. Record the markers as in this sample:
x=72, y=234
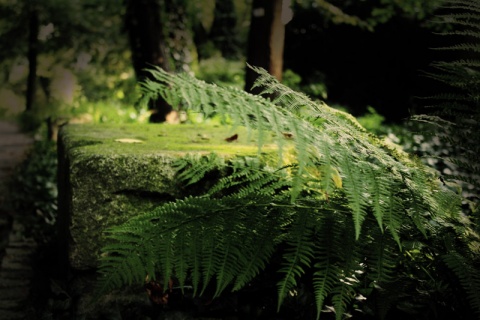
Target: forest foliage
x=84, y=57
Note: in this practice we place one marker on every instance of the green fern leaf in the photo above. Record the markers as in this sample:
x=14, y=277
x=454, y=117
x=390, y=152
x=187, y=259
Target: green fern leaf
x=327, y=272
x=297, y=256
x=354, y=187
x=469, y=277
x=349, y=264
x=258, y=249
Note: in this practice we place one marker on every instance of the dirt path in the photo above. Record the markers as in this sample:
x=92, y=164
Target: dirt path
x=16, y=270
x=13, y=145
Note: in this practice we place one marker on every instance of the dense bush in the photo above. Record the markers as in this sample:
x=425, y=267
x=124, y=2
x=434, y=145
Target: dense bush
x=33, y=191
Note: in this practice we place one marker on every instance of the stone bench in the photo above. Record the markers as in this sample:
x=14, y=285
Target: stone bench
x=108, y=173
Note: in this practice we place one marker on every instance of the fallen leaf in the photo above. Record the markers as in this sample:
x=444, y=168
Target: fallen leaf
x=232, y=138
x=156, y=293
x=128, y=140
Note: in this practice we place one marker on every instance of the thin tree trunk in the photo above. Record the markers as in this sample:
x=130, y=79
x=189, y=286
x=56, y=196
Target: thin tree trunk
x=277, y=41
x=265, y=41
x=147, y=42
x=32, y=58
x=180, y=46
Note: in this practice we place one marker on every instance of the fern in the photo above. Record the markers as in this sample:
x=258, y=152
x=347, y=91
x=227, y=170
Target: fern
x=468, y=275
x=381, y=260
x=331, y=203
x=354, y=187
x=298, y=255
x=344, y=291
x=327, y=271
x=455, y=113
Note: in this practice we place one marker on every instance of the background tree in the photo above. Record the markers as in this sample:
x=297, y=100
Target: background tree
x=334, y=44
x=266, y=40
x=147, y=41
x=33, y=28
x=180, y=49
x=80, y=52
x=223, y=32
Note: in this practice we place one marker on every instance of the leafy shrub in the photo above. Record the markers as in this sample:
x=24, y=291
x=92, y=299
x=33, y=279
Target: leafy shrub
x=372, y=120
x=314, y=86
x=33, y=191
x=222, y=71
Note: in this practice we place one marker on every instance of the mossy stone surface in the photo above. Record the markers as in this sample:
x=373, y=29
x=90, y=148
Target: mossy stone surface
x=109, y=173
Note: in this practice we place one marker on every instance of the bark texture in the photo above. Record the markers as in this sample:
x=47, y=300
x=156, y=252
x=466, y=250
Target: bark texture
x=147, y=41
x=265, y=41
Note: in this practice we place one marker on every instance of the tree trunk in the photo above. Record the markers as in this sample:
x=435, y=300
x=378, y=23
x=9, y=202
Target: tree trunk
x=147, y=42
x=223, y=32
x=180, y=46
x=32, y=58
x=265, y=41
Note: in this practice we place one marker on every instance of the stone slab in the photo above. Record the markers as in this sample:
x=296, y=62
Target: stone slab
x=109, y=173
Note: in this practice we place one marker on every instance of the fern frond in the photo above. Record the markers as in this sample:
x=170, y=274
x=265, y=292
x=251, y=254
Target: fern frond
x=259, y=248
x=381, y=257
x=469, y=277
x=177, y=243
x=468, y=33
x=248, y=174
x=298, y=255
x=343, y=294
x=182, y=256
x=380, y=189
x=354, y=188
x=350, y=264
x=130, y=262
x=326, y=272
x=192, y=168
x=468, y=5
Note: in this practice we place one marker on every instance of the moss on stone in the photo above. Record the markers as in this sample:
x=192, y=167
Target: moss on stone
x=113, y=172
x=164, y=138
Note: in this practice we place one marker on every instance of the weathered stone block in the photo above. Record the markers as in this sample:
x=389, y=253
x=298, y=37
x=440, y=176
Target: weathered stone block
x=109, y=173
